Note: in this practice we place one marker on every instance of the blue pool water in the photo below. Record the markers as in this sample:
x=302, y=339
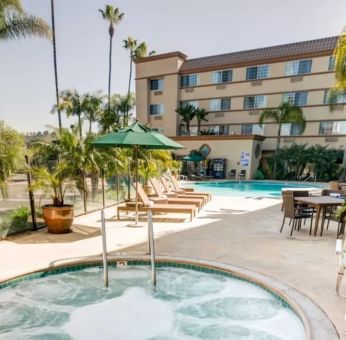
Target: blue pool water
x=186, y=304
x=251, y=188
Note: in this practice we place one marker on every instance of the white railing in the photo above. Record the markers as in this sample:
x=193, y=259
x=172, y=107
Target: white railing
x=151, y=247
x=104, y=248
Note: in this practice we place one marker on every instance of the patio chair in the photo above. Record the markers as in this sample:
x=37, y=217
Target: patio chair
x=176, y=185
x=189, y=191
x=333, y=185
x=242, y=174
x=182, y=193
x=156, y=207
x=232, y=174
x=168, y=191
x=295, y=214
x=174, y=199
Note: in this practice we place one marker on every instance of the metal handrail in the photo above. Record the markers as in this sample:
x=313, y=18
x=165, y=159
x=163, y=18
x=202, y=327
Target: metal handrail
x=151, y=247
x=104, y=248
x=308, y=178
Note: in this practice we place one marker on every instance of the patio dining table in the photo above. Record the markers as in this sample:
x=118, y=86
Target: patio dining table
x=320, y=203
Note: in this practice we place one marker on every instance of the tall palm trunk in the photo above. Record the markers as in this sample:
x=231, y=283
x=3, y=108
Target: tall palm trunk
x=90, y=122
x=188, y=128
x=110, y=68
x=198, y=127
x=129, y=86
x=55, y=63
x=129, y=89
x=278, y=139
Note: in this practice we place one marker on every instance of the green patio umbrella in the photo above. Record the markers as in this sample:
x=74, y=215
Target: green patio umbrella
x=193, y=158
x=137, y=136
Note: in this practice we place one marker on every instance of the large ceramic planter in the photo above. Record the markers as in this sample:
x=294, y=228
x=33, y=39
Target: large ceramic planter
x=58, y=219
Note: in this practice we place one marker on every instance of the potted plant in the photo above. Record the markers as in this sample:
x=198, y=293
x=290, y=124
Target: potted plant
x=175, y=167
x=147, y=170
x=58, y=216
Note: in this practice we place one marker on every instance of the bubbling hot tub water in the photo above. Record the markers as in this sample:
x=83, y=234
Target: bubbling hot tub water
x=186, y=304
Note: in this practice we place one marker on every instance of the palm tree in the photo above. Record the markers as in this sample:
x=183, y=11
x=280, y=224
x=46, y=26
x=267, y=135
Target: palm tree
x=201, y=115
x=340, y=76
x=126, y=104
x=92, y=109
x=16, y=23
x=11, y=155
x=137, y=51
x=55, y=63
x=187, y=113
x=75, y=104
x=285, y=113
x=113, y=16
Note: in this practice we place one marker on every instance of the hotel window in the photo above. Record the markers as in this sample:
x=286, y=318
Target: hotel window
x=295, y=98
x=156, y=109
x=257, y=72
x=222, y=104
x=295, y=68
x=290, y=129
x=331, y=63
x=185, y=103
x=156, y=84
x=189, y=80
x=220, y=77
x=333, y=128
x=255, y=102
x=252, y=129
x=336, y=99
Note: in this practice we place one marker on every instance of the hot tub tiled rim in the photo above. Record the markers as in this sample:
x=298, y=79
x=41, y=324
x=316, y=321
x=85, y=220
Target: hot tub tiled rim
x=187, y=263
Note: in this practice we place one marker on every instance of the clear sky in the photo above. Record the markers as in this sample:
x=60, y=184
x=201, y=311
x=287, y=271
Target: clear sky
x=195, y=27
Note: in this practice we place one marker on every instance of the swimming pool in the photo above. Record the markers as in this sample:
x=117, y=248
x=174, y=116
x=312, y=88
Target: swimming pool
x=186, y=304
x=250, y=188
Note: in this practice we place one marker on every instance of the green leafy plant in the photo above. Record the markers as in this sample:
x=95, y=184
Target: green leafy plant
x=147, y=170
x=54, y=182
x=14, y=220
x=259, y=175
x=285, y=113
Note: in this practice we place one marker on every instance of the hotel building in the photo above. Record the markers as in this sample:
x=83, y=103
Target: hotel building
x=235, y=87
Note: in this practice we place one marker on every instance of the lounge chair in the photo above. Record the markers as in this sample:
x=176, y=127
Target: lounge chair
x=333, y=185
x=242, y=174
x=145, y=204
x=232, y=174
x=174, y=199
x=182, y=193
x=187, y=190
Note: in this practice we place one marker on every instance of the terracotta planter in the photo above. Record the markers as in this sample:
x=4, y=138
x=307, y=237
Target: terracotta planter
x=58, y=219
x=148, y=190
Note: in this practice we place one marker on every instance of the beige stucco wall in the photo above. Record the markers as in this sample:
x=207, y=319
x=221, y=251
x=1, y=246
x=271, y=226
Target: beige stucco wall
x=229, y=149
x=274, y=86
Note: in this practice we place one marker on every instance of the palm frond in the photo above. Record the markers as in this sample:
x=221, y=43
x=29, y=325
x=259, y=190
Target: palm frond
x=17, y=26
x=8, y=5
x=340, y=61
x=268, y=114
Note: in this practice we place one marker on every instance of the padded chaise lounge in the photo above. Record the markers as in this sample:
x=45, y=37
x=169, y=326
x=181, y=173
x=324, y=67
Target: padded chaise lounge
x=182, y=193
x=173, y=197
x=145, y=204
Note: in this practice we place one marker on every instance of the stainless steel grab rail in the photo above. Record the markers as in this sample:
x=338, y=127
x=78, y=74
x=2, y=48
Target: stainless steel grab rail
x=151, y=247
x=104, y=248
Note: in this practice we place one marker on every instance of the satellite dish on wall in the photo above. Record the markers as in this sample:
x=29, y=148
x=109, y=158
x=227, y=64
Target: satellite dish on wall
x=205, y=150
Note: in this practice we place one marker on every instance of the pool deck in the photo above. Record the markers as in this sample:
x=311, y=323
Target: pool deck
x=242, y=232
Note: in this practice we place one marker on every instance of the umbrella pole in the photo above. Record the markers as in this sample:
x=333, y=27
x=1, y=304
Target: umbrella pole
x=136, y=164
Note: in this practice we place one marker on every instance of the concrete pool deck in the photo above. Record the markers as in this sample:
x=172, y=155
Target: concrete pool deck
x=237, y=231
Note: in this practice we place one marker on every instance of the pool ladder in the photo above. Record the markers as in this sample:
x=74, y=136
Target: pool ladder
x=151, y=248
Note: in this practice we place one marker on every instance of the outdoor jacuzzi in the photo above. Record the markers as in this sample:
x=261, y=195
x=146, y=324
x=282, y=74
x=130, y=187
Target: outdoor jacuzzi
x=189, y=302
